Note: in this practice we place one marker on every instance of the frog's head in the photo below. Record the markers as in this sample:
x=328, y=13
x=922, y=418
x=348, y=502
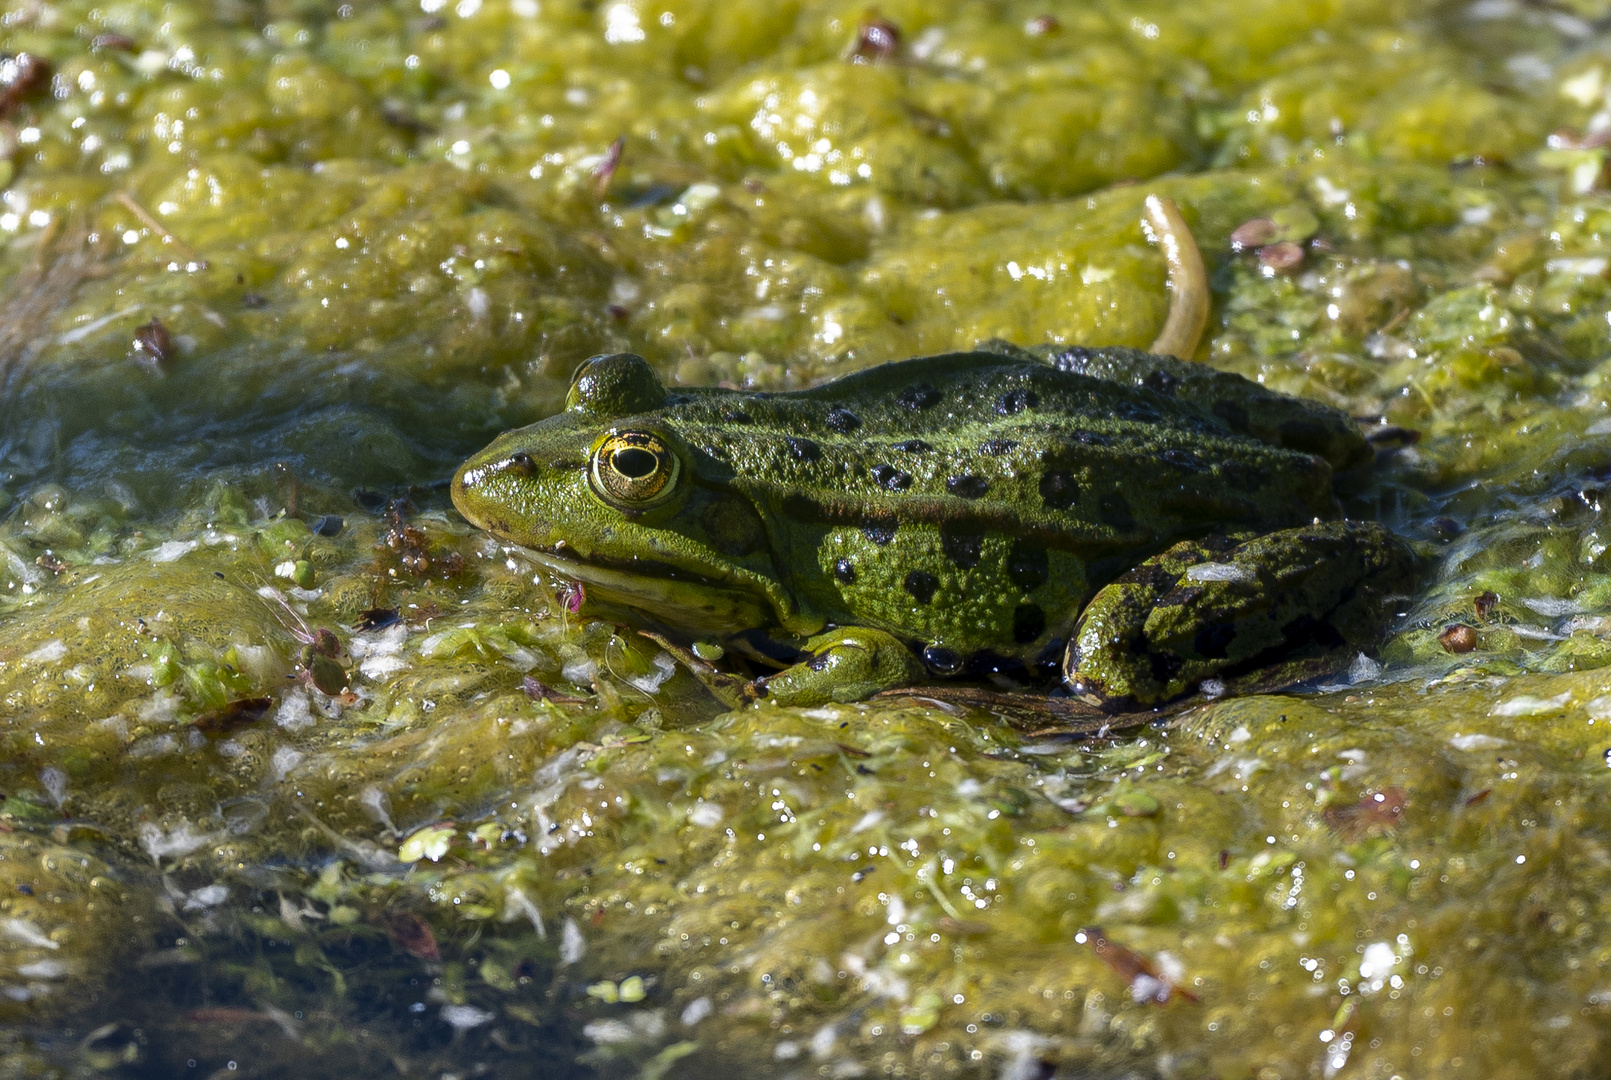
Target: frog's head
x=607, y=494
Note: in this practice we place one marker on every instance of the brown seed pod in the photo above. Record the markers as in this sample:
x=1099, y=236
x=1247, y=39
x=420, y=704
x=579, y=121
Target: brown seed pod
x=1282, y=256
x=1458, y=638
x=21, y=76
x=1253, y=233
x=153, y=346
x=876, y=39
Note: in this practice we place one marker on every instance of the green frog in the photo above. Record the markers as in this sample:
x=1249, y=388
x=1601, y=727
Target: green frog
x=1140, y=527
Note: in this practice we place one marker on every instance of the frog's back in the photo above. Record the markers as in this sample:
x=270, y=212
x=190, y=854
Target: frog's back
x=973, y=501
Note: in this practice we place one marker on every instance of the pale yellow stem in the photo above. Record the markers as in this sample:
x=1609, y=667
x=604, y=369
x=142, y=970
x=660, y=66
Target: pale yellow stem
x=132, y=205
x=1188, y=281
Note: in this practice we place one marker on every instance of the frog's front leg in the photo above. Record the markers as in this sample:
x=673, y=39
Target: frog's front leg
x=847, y=664
x=1298, y=601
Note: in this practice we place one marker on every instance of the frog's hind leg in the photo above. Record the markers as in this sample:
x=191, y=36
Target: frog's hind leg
x=1258, y=611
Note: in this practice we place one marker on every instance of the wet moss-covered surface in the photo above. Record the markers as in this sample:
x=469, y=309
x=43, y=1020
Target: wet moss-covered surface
x=290, y=796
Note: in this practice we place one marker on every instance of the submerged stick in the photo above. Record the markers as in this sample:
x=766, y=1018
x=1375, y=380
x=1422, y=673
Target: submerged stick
x=64, y=256
x=1188, y=281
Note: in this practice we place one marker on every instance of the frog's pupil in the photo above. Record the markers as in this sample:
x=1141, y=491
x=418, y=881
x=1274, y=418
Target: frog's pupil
x=634, y=464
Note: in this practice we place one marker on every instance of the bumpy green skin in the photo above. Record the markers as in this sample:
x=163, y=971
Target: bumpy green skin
x=847, y=664
x=1280, y=607
x=968, y=506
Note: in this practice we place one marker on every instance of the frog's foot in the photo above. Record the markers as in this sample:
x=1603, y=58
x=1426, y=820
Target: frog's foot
x=847, y=664
x=1300, y=600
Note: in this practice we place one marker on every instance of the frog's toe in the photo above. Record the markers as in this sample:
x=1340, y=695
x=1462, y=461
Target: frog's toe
x=847, y=664
x=1300, y=600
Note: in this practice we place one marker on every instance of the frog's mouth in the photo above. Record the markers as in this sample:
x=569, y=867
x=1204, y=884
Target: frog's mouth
x=673, y=595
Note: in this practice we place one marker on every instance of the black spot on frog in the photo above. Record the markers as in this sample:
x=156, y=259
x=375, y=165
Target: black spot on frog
x=920, y=585
x=1016, y=400
x=920, y=396
x=890, y=478
x=967, y=486
x=1028, y=621
x=880, y=531
x=962, y=548
x=1058, y=490
x=803, y=449
x=1027, y=566
x=843, y=421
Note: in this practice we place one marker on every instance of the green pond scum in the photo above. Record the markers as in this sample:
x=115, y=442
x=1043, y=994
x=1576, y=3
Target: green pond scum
x=304, y=776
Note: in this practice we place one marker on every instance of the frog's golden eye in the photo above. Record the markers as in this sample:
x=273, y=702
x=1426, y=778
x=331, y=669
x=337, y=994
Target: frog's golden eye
x=634, y=470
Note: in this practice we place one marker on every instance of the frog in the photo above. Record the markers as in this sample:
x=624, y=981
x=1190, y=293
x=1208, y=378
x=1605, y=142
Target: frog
x=1123, y=527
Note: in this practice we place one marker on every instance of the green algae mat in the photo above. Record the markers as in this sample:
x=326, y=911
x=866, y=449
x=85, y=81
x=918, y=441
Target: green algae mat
x=302, y=776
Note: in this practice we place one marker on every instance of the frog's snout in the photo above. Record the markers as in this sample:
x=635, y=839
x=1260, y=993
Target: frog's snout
x=480, y=489
x=463, y=481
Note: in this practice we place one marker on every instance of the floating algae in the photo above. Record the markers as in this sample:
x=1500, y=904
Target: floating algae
x=315, y=796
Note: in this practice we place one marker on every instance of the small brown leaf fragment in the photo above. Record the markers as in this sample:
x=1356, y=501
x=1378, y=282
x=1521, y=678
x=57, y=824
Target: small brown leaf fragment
x=1041, y=25
x=153, y=346
x=1376, y=813
x=1253, y=234
x=112, y=42
x=413, y=935
x=1567, y=139
x=1479, y=797
x=604, y=171
x=876, y=39
x=539, y=691
x=1458, y=638
x=1147, y=986
x=21, y=76
x=1485, y=605
x=401, y=116
x=237, y=714
x=1282, y=256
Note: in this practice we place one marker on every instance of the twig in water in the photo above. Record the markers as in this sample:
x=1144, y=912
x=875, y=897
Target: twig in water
x=149, y=220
